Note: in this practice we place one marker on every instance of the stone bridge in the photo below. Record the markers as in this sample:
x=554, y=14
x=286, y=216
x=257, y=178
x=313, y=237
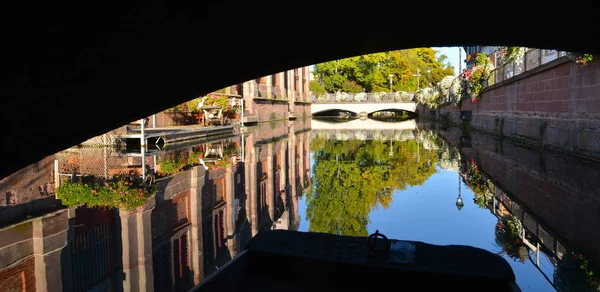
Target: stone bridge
x=363, y=103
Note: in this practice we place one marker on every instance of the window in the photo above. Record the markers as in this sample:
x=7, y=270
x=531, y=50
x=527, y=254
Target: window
x=219, y=229
x=263, y=197
x=181, y=256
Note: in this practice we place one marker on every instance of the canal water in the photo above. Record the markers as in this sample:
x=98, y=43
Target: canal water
x=90, y=218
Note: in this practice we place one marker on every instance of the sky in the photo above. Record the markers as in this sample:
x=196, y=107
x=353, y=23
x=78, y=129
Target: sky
x=453, y=58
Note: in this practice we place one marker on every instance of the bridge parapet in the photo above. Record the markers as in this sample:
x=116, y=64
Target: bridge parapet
x=374, y=134
x=363, y=97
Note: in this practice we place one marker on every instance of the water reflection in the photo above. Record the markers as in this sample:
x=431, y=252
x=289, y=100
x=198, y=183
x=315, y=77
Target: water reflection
x=100, y=218
x=86, y=219
x=535, y=208
x=353, y=176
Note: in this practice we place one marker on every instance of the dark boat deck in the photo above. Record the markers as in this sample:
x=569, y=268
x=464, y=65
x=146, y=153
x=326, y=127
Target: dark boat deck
x=282, y=260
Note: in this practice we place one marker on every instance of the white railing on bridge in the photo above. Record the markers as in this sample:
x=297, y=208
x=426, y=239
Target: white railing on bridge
x=379, y=135
x=399, y=96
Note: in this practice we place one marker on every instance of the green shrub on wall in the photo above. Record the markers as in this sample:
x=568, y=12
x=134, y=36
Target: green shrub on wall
x=123, y=192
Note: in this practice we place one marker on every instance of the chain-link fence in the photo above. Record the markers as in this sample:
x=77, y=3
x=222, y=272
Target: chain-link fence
x=99, y=161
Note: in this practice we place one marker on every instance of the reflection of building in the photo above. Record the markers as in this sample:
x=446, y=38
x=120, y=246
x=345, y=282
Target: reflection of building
x=29, y=191
x=556, y=221
x=197, y=221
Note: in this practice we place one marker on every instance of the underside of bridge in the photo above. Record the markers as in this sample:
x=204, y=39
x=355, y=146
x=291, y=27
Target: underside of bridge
x=379, y=114
x=336, y=113
x=74, y=70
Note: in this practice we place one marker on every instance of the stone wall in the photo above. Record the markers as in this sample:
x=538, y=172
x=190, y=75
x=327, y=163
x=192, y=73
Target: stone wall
x=556, y=106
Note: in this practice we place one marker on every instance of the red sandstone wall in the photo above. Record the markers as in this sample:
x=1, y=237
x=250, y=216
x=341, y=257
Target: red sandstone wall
x=302, y=109
x=556, y=105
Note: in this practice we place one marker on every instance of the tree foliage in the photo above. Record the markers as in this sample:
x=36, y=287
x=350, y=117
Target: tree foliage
x=316, y=88
x=371, y=72
x=352, y=177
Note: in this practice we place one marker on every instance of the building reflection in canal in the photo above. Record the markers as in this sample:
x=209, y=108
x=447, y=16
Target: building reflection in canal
x=211, y=198
x=547, y=205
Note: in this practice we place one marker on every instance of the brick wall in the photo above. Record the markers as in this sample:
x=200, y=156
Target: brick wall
x=18, y=278
x=556, y=105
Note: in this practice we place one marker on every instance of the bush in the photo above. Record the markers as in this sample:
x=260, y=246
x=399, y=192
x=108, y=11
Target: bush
x=123, y=192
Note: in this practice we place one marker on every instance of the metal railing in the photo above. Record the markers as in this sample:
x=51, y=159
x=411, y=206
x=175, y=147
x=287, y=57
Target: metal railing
x=378, y=97
x=533, y=58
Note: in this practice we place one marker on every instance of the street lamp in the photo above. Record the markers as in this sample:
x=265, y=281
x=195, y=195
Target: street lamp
x=459, y=201
x=418, y=75
x=391, y=75
x=429, y=75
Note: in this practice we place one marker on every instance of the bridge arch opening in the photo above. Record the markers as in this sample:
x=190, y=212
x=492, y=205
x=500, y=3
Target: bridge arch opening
x=392, y=115
x=335, y=114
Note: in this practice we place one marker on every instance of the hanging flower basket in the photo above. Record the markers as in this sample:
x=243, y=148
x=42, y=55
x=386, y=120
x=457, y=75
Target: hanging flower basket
x=507, y=236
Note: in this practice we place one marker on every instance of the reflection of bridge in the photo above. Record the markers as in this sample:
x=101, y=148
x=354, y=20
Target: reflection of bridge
x=363, y=124
x=366, y=129
x=381, y=135
x=363, y=103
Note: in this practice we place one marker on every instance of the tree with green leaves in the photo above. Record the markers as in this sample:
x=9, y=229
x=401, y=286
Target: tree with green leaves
x=316, y=88
x=371, y=72
x=353, y=177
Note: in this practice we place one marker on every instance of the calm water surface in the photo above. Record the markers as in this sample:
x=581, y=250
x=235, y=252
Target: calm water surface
x=89, y=218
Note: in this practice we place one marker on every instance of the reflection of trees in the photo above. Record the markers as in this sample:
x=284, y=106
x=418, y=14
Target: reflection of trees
x=353, y=177
x=449, y=158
